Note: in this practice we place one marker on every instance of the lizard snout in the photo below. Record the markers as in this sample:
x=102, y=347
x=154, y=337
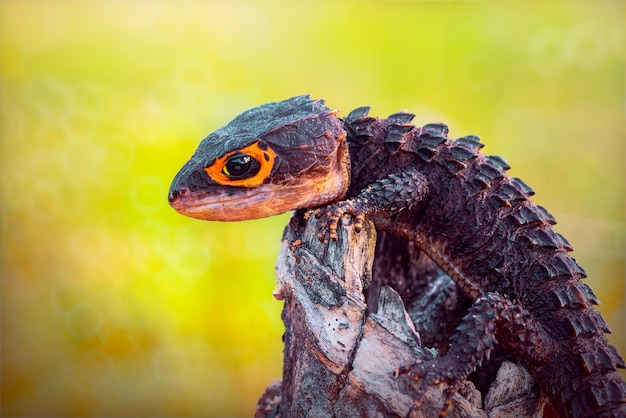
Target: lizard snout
x=174, y=194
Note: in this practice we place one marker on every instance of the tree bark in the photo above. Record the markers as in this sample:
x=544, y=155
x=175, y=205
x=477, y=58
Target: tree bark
x=339, y=360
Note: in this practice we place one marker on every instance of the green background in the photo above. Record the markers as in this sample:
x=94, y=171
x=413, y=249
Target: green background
x=115, y=305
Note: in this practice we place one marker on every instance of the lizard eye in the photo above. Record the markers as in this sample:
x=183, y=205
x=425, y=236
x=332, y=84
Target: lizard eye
x=245, y=167
x=240, y=166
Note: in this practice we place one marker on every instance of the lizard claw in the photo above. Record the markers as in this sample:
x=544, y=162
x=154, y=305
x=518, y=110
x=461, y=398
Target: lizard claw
x=333, y=213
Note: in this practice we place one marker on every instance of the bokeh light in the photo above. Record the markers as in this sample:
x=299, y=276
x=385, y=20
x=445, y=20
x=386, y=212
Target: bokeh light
x=114, y=305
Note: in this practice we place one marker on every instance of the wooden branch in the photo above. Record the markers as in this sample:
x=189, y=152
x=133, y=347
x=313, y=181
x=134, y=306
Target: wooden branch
x=339, y=361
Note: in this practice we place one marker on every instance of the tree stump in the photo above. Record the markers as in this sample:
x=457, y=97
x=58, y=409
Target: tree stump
x=339, y=358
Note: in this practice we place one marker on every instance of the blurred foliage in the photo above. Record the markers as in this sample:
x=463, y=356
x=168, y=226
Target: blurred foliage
x=114, y=305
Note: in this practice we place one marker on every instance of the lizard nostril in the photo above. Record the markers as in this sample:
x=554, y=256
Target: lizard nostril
x=176, y=193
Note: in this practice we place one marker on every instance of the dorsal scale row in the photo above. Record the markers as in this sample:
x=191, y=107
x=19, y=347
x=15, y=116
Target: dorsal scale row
x=398, y=126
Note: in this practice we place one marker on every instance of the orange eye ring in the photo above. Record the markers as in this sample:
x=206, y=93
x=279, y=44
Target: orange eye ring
x=247, y=167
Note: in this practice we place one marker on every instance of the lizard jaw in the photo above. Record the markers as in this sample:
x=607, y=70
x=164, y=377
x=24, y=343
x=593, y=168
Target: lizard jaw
x=259, y=202
x=222, y=207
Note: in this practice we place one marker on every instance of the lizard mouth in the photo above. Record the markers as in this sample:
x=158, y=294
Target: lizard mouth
x=250, y=204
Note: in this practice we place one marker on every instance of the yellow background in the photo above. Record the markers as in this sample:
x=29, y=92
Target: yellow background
x=114, y=305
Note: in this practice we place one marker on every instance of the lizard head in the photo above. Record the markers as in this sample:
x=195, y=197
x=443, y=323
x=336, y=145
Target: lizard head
x=268, y=160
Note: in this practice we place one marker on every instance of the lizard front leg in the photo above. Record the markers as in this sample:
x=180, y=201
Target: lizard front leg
x=394, y=193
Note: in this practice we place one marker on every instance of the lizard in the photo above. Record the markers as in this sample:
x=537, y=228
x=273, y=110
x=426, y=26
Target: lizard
x=456, y=204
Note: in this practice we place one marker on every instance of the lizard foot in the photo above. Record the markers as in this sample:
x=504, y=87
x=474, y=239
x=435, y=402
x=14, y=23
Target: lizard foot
x=433, y=372
x=333, y=213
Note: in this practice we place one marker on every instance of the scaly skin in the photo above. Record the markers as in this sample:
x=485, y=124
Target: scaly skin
x=457, y=205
